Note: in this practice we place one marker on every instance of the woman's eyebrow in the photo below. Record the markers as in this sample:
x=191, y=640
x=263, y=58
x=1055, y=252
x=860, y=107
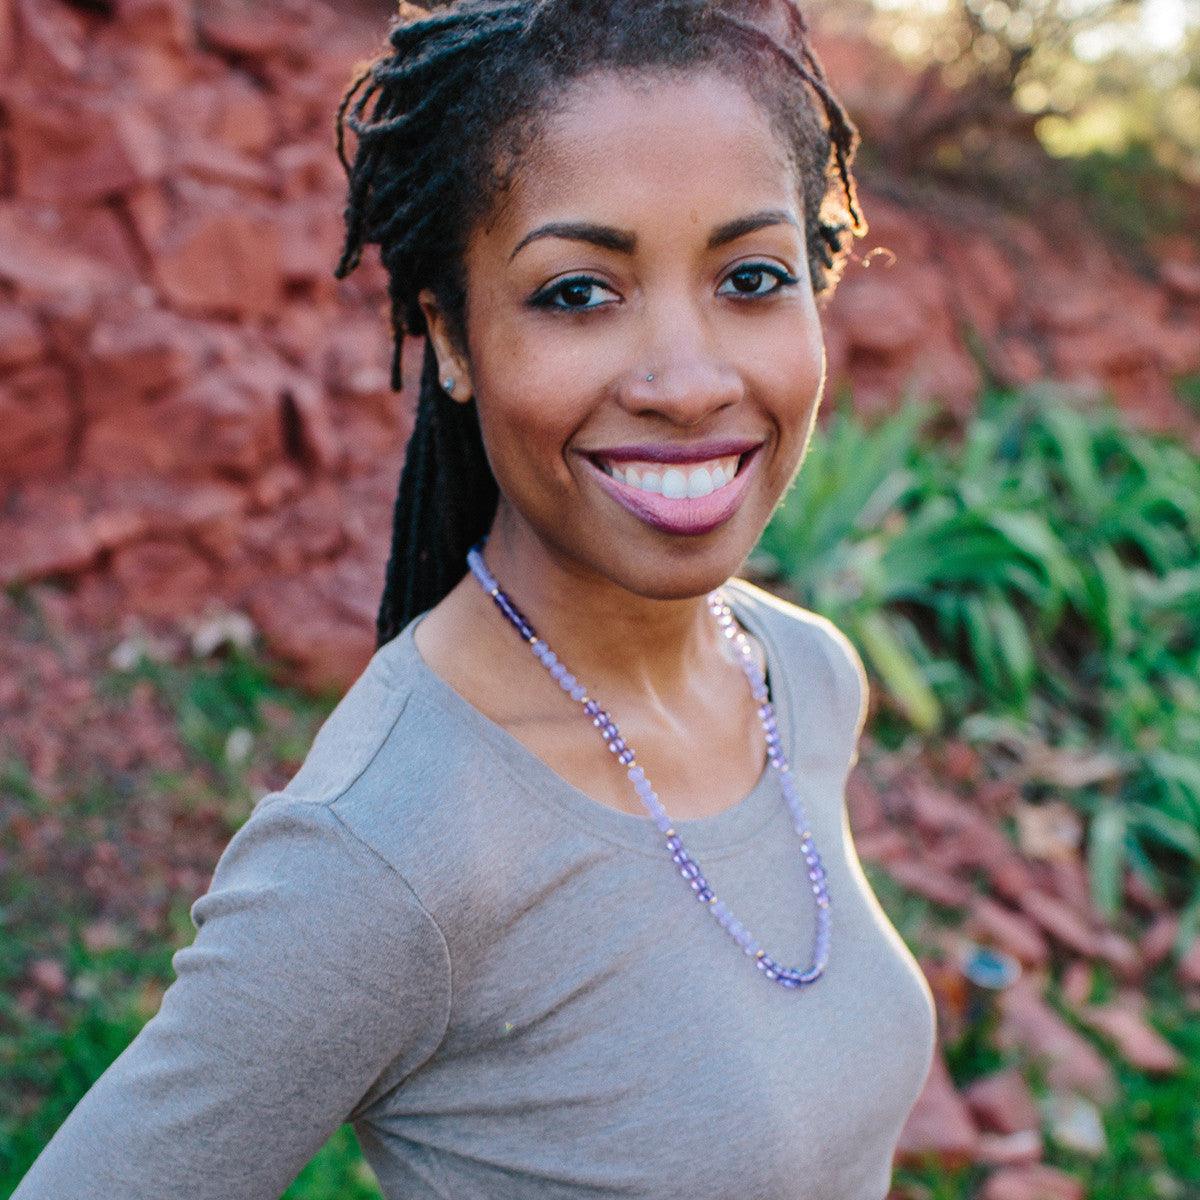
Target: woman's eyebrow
x=609, y=238
x=740, y=226
x=604, y=236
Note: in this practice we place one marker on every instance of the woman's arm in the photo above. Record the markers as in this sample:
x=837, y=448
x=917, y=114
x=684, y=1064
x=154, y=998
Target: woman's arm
x=316, y=982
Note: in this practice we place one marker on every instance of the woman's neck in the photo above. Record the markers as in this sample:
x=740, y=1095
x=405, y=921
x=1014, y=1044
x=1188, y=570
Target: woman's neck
x=615, y=641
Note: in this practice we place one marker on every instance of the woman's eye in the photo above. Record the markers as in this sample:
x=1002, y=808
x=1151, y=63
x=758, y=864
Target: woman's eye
x=578, y=293
x=750, y=280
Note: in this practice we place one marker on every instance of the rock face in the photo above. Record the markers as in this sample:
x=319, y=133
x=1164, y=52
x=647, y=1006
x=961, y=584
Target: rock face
x=195, y=413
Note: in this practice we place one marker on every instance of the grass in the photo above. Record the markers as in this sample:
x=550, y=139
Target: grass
x=49, y=1059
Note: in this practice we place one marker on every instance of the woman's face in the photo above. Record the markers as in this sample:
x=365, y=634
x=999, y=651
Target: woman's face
x=640, y=300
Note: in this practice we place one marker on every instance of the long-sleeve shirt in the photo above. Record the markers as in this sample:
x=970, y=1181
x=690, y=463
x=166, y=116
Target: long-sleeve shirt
x=507, y=987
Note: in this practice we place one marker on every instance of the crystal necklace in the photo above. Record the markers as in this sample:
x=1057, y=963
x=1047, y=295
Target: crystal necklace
x=689, y=868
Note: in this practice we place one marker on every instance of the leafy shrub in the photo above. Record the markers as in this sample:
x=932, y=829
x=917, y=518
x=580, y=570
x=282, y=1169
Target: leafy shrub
x=1037, y=583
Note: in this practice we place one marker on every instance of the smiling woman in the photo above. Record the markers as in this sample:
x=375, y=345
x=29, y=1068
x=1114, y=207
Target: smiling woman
x=468, y=924
x=564, y=319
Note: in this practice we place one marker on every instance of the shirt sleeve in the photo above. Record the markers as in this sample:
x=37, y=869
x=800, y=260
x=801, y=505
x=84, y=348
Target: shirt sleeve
x=315, y=983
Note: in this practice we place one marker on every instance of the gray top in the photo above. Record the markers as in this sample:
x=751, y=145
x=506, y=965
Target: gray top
x=507, y=987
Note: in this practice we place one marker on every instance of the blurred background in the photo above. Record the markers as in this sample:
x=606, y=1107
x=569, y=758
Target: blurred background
x=199, y=453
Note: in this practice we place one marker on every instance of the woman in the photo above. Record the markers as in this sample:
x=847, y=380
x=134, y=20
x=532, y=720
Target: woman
x=470, y=922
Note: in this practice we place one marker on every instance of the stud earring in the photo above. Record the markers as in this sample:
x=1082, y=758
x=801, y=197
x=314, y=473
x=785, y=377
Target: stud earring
x=448, y=383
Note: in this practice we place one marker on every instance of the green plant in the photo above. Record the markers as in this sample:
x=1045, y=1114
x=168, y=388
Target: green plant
x=1039, y=580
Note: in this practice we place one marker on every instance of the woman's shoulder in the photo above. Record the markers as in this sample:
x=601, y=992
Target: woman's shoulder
x=352, y=735
x=822, y=653
x=327, y=856
x=393, y=766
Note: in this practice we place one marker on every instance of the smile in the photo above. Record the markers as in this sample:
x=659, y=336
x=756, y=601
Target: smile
x=682, y=498
x=691, y=480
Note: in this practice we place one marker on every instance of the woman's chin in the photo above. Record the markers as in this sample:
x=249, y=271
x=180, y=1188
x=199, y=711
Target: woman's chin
x=682, y=575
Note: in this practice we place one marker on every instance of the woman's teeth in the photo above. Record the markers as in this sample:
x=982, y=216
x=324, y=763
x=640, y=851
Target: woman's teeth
x=675, y=483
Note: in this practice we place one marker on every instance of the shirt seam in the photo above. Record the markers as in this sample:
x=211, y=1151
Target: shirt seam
x=446, y=955
x=328, y=803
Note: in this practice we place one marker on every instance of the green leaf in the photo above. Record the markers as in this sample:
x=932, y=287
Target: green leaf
x=898, y=671
x=1013, y=649
x=1189, y=926
x=1169, y=830
x=1106, y=858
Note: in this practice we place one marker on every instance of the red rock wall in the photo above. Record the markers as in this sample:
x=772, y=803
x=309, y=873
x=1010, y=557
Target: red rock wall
x=194, y=414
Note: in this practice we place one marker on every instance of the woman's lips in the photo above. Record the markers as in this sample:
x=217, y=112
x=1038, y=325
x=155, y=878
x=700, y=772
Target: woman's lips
x=688, y=515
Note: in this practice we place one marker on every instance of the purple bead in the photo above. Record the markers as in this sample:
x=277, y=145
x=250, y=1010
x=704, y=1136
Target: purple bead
x=706, y=893
x=689, y=870
x=673, y=842
x=591, y=708
x=578, y=692
x=681, y=856
x=558, y=670
x=625, y=757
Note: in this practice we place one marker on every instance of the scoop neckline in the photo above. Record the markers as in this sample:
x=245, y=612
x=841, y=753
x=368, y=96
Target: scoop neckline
x=724, y=830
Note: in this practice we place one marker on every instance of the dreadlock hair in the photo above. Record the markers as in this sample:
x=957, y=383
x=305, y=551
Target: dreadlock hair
x=458, y=97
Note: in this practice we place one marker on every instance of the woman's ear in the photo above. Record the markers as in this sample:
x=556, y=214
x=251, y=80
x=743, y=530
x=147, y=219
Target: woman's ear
x=453, y=372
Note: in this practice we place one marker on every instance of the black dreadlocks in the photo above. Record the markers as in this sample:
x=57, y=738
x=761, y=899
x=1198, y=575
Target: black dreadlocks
x=458, y=97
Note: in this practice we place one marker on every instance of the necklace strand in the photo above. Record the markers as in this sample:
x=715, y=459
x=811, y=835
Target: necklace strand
x=689, y=868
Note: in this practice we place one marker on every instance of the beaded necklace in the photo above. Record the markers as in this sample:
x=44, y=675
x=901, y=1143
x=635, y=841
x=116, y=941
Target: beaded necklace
x=689, y=868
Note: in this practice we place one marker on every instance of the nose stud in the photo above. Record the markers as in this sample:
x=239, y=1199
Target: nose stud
x=448, y=383
x=650, y=377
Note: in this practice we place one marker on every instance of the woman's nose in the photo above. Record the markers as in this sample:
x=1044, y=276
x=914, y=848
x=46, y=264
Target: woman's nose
x=685, y=379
